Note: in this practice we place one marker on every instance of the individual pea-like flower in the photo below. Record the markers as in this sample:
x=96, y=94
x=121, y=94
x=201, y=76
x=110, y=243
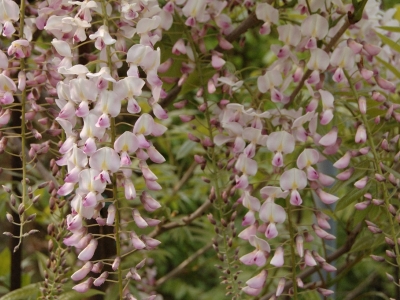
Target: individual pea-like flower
x=267, y=13
x=87, y=253
x=294, y=180
x=82, y=272
x=195, y=11
x=20, y=49
x=342, y=58
x=127, y=143
x=90, y=187
x=280, y=142
x=105, y=160
x=9, y=14
x=83, y=92
x=144, y=126
x=7, y=88
x=268, y=82
x=248, y=167
x=84, y=286
x=129, y=88
x=259, y=255
x=306, y=159
x=102, y=37
x=256, y=283
x=62, y=47
x=314, y=27
x=279, y=258
x=272, y=214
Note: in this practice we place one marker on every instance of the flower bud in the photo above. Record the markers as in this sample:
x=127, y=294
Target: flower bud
x=360, y=184
x=116, y=262
x=21, y=209
x=84, y=286
x=101, y=279
x=377, y=258
x=300, y=245
x=82, y=272
x=281, y=286
x=9, y=217
x=362, y=105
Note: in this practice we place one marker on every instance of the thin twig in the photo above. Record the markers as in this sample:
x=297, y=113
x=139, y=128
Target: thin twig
x=183, y=265
x=183, y=221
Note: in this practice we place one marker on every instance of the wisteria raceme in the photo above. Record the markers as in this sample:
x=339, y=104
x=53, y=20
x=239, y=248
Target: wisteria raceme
x=301, y=139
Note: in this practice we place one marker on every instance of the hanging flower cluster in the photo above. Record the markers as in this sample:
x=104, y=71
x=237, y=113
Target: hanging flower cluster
x=335, y=48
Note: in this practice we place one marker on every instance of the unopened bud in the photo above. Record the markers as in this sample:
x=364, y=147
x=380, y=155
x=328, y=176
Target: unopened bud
x=377, y=258
x=212, y=196
x=362, y=105
x=391, y=254
x=50, y=229
x=6, y=189
x=43, y=185
x=374, y=230
x=392, y=209
x=21, y=209
x=193, y=138
x=389, y=241
x=31, y=217
x=9, y=217
x=211, y=219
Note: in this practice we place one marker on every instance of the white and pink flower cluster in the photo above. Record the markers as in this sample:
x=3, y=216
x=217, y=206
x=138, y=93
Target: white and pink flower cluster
x=300, y=138
x=94, y=150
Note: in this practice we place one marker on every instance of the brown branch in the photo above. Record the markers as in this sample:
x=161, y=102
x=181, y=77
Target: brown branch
x=335, y=255
x=185, y=177
x=183, y=221
x=183, y=265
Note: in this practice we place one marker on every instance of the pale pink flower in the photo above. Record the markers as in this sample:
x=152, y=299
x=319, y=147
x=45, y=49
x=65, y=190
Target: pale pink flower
x=294, y=180
x=105, y=160
x=84, y=286
x=258, y=281
x=361, y=135
x=280, y=142
x=278, y=259
x=9, y=14
x=102, y=37
x=272, y=213
x=281, y=286
x=315, y=27
x=101, y=279
x=88, y=252
x=342, y=58
x=82, y=272
x=259, y=255
x=267, y=13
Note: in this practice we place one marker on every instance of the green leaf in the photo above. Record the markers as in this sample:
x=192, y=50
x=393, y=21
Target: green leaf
x=185, y=149
x=73, y=295
x=390, y=170
x=5, y=258
x=395, y=46
x=389, y=66
x=391, y=28
x=25, y=293
x=351, y=197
